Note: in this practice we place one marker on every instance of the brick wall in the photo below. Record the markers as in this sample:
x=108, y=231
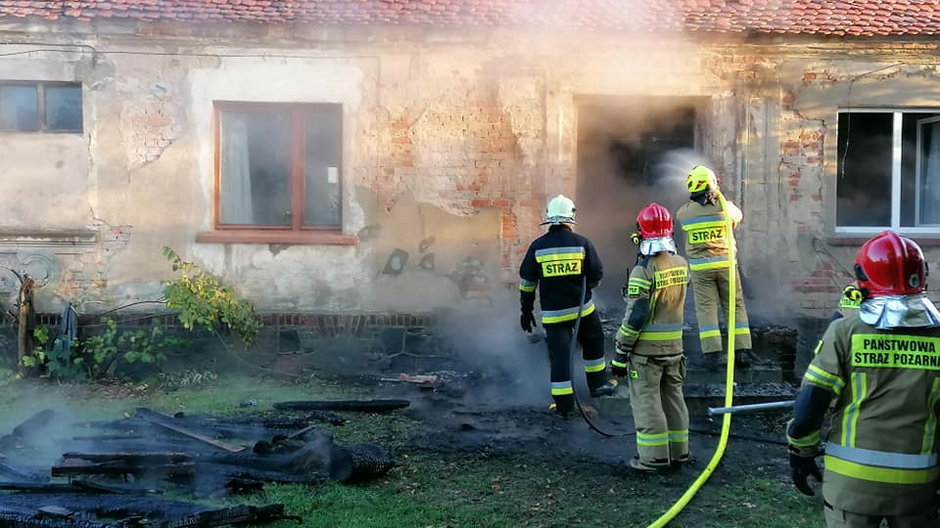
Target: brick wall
x=465, y=153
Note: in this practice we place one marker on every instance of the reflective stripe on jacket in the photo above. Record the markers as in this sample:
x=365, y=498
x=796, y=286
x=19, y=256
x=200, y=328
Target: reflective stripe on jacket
x=881, y=457
x=555, y=264
x=663, y=281
x=705, y=233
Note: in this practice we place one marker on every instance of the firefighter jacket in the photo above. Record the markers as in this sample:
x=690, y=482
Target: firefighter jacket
x=881, y=453
x=706, y=239
x=555, y=263
x=655, y=297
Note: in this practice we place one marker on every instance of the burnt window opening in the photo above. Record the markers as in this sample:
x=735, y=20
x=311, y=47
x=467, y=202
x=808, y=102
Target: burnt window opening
x=279, y=166
x=40, y=107
x=643, y=154
x=888, y=171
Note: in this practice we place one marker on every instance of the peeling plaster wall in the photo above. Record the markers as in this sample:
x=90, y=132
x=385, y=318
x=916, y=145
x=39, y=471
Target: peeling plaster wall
x=791, y=252
x=451, y=145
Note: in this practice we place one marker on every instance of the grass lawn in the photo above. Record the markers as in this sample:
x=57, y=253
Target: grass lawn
x=470, y=488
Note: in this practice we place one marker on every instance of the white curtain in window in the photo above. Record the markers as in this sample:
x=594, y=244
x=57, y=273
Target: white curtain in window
x=236, y=205
x=930, y=182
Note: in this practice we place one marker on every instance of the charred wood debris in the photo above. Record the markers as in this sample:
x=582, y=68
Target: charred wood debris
x=114, y=473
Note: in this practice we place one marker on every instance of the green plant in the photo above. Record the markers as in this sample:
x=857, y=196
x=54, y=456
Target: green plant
x=101, y=348
x=204, y=302
x=98, y=355
x=58, y=358
x=38, y=355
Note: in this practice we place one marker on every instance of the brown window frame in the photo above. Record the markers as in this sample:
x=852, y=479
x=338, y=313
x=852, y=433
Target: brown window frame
x=297, y=233
x=41, y=105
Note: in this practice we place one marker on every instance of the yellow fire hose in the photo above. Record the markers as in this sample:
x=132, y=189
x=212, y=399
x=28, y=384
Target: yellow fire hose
x=729, y=383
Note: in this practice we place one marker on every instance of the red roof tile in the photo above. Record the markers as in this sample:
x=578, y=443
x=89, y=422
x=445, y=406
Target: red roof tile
x=837, y=17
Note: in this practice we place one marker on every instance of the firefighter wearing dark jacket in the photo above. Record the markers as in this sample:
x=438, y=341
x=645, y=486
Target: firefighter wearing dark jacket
x=560, y=264
x=881, y=367
x=706, y=246
x=649, y=345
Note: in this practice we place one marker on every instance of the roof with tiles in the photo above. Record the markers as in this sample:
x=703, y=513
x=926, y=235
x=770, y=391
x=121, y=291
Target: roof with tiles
x=825, y=17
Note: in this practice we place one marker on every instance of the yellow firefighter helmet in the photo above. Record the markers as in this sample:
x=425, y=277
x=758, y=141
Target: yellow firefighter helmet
x=701, y=178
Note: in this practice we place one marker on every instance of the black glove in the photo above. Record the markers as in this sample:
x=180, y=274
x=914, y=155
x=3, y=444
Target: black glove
x=619, y=367
x=527, y=321
x=801, y=468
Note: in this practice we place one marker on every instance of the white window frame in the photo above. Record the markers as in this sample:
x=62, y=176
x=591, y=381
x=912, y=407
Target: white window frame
x=896, y=147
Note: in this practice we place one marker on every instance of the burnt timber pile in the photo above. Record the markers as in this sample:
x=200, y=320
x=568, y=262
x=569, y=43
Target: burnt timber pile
x=113, y=473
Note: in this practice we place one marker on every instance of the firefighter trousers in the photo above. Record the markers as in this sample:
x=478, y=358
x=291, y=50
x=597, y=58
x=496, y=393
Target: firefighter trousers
x=659, y=410
x=836, y=518
x=710, y=288
x=591, y=338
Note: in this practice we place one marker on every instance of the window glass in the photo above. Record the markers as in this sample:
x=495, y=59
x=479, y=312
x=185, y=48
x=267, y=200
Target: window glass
x=63, y=108
x=863, y=176
x=323, y=147
x=928, y=206
x=19, y=108
x=255, y=168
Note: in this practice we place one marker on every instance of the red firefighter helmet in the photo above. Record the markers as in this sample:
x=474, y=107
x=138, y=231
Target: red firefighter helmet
x=891, y=264
x=654, y=221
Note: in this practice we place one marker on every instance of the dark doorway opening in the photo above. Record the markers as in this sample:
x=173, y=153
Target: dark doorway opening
x=631, y=151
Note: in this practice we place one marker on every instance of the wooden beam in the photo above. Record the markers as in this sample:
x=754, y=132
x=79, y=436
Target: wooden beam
x=168, y=422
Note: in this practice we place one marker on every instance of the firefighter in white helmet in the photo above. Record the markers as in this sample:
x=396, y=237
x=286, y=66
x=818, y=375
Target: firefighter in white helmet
x=877, y=371
x=706, y=246
x=559, y=264
x=649, y=345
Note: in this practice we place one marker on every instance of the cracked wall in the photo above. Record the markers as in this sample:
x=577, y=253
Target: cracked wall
x=793, y=254
x=451, y=146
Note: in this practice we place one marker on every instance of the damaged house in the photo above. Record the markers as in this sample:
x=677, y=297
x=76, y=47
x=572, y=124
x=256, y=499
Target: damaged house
x=395, y=156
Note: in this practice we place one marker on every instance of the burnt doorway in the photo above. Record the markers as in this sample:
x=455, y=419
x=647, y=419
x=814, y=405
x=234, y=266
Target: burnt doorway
x=631, y=151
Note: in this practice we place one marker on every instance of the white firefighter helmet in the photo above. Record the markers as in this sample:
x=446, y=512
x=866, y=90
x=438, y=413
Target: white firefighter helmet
x=560, y=210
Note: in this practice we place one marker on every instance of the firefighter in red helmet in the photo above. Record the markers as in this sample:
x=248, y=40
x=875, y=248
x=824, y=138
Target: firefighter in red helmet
x=649, y=344
x=880, y=370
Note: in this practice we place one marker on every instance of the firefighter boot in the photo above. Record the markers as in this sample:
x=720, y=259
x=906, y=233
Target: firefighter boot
x=564, y=414
x=743, y=358
x=636, y=465
x=682, y=461
x=607, y=389
x=715, y=361
x=591, y=412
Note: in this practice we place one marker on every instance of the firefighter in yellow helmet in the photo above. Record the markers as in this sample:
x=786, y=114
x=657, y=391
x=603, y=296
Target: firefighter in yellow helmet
x=706, y=246
x=560, y=264
x=881, y=368
x=649, y=344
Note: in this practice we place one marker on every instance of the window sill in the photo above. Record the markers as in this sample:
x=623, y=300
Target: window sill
x=260, y=236
x=922, y=241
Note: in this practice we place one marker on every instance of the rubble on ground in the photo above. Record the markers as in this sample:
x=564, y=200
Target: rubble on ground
x=111, y=473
